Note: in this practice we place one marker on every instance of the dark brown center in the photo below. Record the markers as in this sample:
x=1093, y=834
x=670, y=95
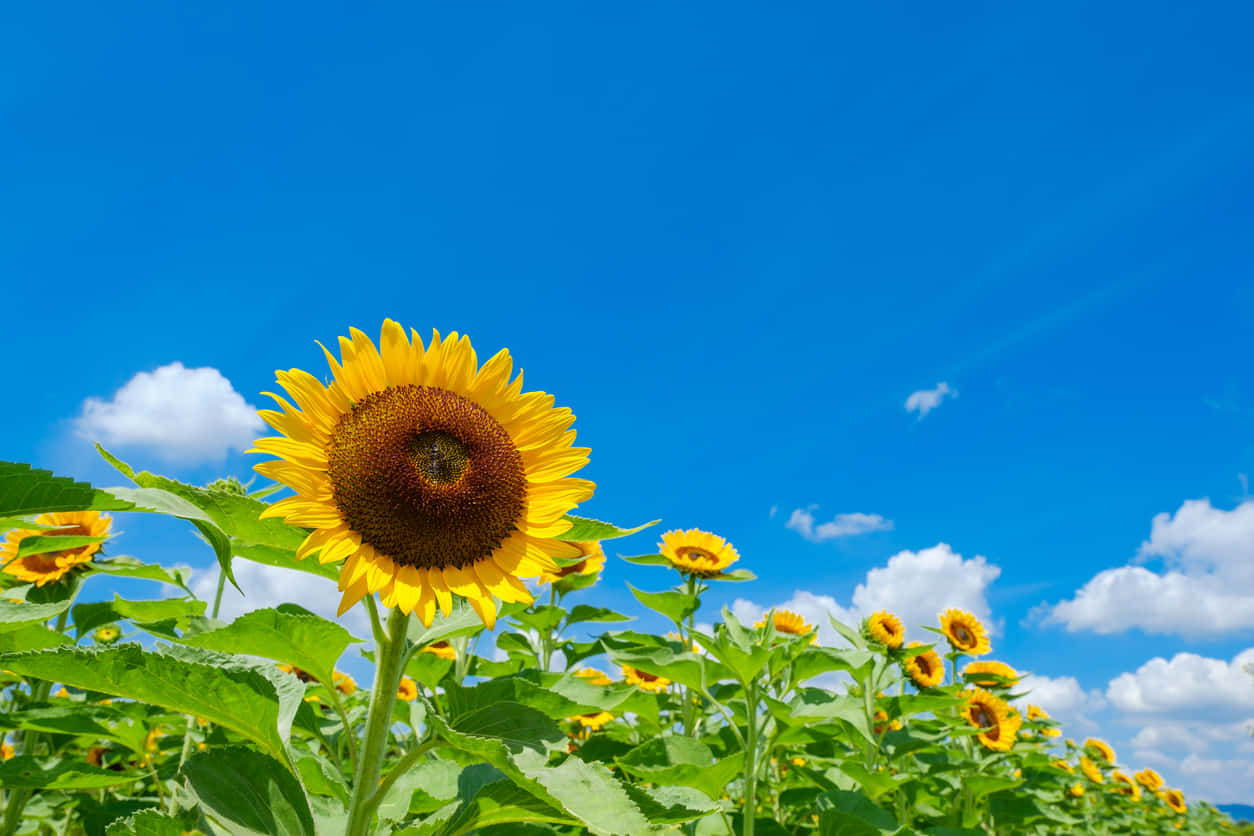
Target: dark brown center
x=982, y=717
x=697, y=556
x=426, y=477
x=963, y=635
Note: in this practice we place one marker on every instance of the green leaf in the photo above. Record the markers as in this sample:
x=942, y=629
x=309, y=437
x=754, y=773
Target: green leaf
x=736, y=575
x=684, y=667
x=27, y=772
x=847, y=813
x=542, y=619
x=502, y=802
x=287, y=633
x=877, y=783
x=16, y=615
x=284, y=559
x=254, y=700
x=425, y=788
x=671, y=805
x=649, y=560
x=818, y=704
x=146, y=823
x=33, y=637
x=24, y=490
x=683, y=761
x=129, y=567
x=674, y=605
x=249, y=792
x=982, y=785
x=816, y=660
x=175, y=611
x=9, y=523
x=583, y=529
x=851, y=635
x=75, y=718
x=44, y=543
x=583, y=612
x=462, y=621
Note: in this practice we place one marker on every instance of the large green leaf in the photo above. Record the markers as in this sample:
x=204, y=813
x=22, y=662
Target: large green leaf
x=252, y=699
x=683, y=667
x=425, y=788
x=31, y=637
x=502, y=802
x=24, y=490
x=146, y=823
x=812, y=704
x=818, y=660
x=16, y=615
x=128, y=567
x=44, y=543
x=681, y=760
x=248, y=792
x=31, y=773
x=674, y=605
x=583, y=612
x=287, y=633
x=848, y=813
x=168, y=612
x=462, y=621
x=583, y=529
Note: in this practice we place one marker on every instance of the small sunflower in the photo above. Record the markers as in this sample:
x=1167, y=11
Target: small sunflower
x=7, y=752
x=95, y=755
x=1149, y=779
x=965, y=632
x=426, y=474
x=1091, y=771
x=594, y=676
x=786, y=621
x=302, y=675
x=592, y=563
x=882, y=723
x=48, y=567
x=1063, y=765
x=926, y=670
x=444, y=650
x=646, y=681
x=108, y=634
x=1102, y=748
x=1125, y=786
x=344, y=683
x=1008, y=676
x=1175, y=800
x=1076, y=790
x=408, y=690
x=592, y=721
x=886, y=629
x=998, y=721
x=697, y=552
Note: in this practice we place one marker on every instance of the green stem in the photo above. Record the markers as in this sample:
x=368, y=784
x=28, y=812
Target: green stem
x=387, y=677
x=338, y=705
x=751, y=757
x=217, y=598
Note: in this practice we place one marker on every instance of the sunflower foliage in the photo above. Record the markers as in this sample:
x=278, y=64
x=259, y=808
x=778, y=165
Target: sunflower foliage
x=496, y=708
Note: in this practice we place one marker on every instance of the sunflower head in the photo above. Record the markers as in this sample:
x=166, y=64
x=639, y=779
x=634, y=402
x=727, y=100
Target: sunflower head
x=302, y=675
x=786, y=621
x=992, y=675
x=7, y=752
x=965, y=632
x=427, y=475
x=1175, y=800
x=645, y=681
x=593, y=676
x=998, y=722
x=408, y=690
x=1149, y=779
x=885, y=628
x=1076, y=790
x=344, y=683
x=883, y=724
x=592, y=721
x=95, y=755
x=697, y=552
x=1125, y=786
x=1101, y=748
x=50, y=566
x=107, y=634
x=926, y=669
x=1091, y=771
x=442, y=649
x=1063, y=765
x=590, y=562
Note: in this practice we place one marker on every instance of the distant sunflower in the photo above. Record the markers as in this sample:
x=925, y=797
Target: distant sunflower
x=926, y=670
x=95, y=755
x=594, y=676
x=302, y=675
x=786, y=621
x=45, y=568
x=1125, y=786
x=592, y=721
x=1038, y=714
x=592, y=563
x=645, y=681
x=1008, y=675
x=1076, y=790
x=1149, y=779
x=883, y=724
x=108, y=634
x=886, y=629
x=999, y=723
x=344, y=683
x=1102, y=748
x=697, y=552
x=426, y=474
x=1063, y=765
x=1175, y=800
x=965, y=632
x=442, y=649
x=408, y=690
x=1091, y=771
x=7, y=752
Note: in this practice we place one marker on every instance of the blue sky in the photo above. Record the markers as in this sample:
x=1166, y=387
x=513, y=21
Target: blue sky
x=734, y=243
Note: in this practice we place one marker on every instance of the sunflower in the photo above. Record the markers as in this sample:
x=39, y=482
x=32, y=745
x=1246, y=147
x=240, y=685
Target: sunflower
x=697, y=552
x=999, y=723
x=882, y=723
x=1091, y=771
x=886, y=629
x=965, y=632
x=594, y=676
x=344, y=683
x=7, y=752
x=1076, y=790
x=592, y=563
x=1063, y=765
x=592, y=721
x=926, y=669
x=95, y=755
x=408, y=690
x=646, y=681
x=1175, y=800
x=1008, y=676
x=302, y=675
x=786, y=621
x=426, y=474
x=1102, y=748
x=1149, y=779
x=108, y=634
x=444, y=650
x=1125, y=786
x=48, y=567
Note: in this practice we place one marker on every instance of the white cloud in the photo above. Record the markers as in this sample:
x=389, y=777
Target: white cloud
x=842, y=525
x=925, y=400
x=268, y=586
x=1063, y=698
x=1188, y=685
x=184, y=415
x=1206, y=587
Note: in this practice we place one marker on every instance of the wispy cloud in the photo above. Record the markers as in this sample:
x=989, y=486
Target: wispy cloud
x=925, y=400
x=842, y=525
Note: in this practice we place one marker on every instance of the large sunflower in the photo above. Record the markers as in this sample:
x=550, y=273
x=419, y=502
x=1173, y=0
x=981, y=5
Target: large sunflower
x=999, y=723
x=48, y=567
x=886, y=629
x=965, y=632
x=697, y=552
x=926, y=669
x=426, y=474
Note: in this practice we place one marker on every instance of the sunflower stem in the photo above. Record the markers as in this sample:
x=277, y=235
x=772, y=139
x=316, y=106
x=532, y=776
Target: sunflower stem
x=751, y=756
x=387, y=677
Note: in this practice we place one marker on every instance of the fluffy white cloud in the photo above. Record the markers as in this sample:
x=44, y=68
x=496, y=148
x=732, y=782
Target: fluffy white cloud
x=1063, y=698
x=1188, y=685
x=1206, y=586
x=842, y=525
x=925, y=400
x=183, y=415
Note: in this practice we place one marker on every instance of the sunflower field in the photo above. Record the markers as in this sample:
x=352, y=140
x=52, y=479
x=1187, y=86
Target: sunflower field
x=440, y=497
